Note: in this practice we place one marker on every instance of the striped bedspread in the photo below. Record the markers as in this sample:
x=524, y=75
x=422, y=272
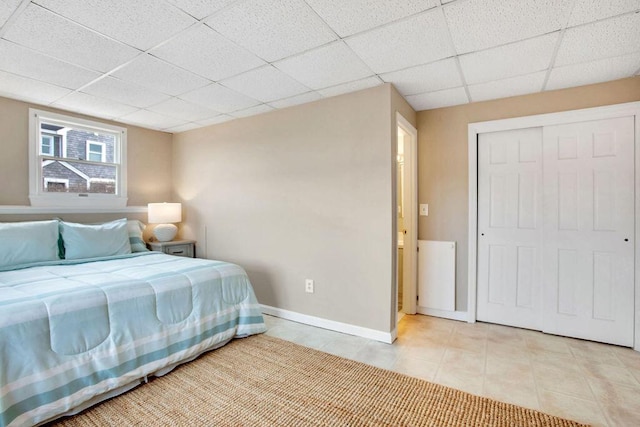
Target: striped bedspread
x=73, y=331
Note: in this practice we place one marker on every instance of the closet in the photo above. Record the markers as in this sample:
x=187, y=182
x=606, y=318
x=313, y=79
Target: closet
x=556, y=228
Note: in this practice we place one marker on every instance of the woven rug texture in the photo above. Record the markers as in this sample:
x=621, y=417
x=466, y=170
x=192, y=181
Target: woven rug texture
x=265, y=381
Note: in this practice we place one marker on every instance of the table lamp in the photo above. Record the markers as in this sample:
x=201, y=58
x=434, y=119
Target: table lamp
x=164, y=214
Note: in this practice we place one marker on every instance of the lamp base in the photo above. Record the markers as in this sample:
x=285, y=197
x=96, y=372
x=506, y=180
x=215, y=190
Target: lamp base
x=165, y=232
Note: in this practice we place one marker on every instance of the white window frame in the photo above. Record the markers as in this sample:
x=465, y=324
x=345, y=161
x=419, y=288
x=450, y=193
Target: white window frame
x=41, y=198
x=62, y=133
x=103, y=153
x=53, y=142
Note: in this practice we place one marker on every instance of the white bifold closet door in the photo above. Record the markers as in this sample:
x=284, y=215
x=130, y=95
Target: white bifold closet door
x=589, y=230
x=510, y=228
x=556, y=229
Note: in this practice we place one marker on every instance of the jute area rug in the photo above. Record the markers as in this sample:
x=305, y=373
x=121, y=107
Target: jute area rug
x=265, y=381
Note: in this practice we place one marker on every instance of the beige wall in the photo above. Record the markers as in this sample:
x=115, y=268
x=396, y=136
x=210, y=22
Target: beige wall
x=443, y=155
x=148, y=156
x=304, y=192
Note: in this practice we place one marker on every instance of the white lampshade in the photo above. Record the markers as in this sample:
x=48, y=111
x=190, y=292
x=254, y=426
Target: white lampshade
x=163, y=214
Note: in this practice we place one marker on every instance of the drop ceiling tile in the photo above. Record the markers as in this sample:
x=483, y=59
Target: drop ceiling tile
x=481, y=24
x=217, y=119
x=207, y=53
x=350, y=87
x=159, y=75
x=513, y=86
x=612, y=37
x=439, y=99
x=6, y=10
x=354, y=16
x=296, y=100
x=592, y=10
x=51, y=34
x=219, y=98
x=594, y=72
x=26, y=62
x=141, y=23
x=418, y=40
x=272, y=29
x=124, y=92
x=253, y=111
x=26, y=89
x=150, y=119
x=201, y=8
x=93, y=106
x=510, y=60
x=265, y=84
x=425, y=78
x=184, y=110
x=46, y=32
x=325, y=66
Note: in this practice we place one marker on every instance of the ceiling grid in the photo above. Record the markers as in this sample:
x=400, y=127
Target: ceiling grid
x=175, y=65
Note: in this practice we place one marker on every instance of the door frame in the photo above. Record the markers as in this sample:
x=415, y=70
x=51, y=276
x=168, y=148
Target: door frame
x=410, y=282
x=540, y=120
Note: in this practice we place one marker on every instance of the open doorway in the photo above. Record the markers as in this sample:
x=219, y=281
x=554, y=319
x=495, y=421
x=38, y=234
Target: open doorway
x=407, y=217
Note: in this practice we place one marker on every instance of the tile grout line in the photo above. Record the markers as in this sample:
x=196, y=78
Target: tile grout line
x=533, y=375
x=486, y=352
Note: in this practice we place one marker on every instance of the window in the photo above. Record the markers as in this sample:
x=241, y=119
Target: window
x=51, y=145
x=76, y=162
x=96, y=151
x=47, y=145
x=52, y=140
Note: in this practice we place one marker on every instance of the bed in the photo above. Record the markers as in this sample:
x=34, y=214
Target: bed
x=76, y=330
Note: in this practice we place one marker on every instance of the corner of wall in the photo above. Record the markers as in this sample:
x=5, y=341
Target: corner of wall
x=399, y=104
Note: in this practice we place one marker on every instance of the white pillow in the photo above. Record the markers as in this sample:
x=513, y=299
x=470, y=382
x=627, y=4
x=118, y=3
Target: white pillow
x=91, y=241
x=26, y=242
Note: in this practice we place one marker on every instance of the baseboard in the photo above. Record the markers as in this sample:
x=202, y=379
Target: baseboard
x=332, y=325
x=453, y=315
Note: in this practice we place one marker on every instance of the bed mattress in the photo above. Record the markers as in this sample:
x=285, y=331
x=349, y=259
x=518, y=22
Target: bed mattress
x=71, y=331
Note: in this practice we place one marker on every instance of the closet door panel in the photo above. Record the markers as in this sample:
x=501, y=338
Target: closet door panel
x=589, y=230
x=509, y=215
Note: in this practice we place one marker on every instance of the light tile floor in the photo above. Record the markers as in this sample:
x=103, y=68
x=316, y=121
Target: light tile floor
x=593, y=383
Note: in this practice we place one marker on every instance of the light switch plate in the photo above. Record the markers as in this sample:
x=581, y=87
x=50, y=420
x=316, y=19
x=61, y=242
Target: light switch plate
x=424, y=209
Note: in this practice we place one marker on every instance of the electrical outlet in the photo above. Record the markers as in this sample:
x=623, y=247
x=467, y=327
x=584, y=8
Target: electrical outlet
x=308, y=286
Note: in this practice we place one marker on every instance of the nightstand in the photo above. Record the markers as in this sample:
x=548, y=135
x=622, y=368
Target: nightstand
x=186, y=248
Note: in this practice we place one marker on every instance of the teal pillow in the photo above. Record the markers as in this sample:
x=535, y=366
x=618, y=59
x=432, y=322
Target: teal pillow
x=135, y=229
x=91, y=241
x=26, y=242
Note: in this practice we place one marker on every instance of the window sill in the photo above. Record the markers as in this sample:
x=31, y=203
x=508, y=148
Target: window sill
x=15, y=209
